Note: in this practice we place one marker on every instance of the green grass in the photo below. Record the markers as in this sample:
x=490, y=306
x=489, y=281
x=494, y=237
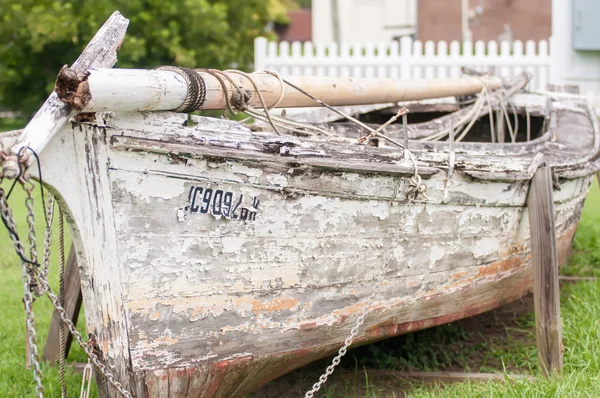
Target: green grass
x=7, y=124
x=581, y=338
x=585, y=258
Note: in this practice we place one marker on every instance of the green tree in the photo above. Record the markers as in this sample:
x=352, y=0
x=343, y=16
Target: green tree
x=37, y=37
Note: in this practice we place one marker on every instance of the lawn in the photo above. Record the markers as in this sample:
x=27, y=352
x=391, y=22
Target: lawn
x=436, y=348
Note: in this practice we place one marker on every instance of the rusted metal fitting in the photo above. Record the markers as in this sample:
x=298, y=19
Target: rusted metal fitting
x=10, y=166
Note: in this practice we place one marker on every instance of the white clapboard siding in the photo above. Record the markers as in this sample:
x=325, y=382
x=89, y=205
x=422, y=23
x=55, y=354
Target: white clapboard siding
x=406, y=59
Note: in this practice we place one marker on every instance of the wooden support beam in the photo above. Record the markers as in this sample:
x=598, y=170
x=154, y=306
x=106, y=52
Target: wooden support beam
x=73, y=300
x=545, y=263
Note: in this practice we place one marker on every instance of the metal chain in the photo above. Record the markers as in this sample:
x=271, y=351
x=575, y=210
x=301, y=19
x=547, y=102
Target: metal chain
x=27, y=268
x=32, y=341
x=361, y=319
x=35, y=285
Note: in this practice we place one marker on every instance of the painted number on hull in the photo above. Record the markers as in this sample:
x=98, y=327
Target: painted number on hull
x=221, y=203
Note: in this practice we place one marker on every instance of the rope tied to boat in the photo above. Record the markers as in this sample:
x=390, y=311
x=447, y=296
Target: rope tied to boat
x=196, y=88
x=416, y=186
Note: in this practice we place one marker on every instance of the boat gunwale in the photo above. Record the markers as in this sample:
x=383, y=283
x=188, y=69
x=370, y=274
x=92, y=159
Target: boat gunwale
x=521, y=154
x=469, y=156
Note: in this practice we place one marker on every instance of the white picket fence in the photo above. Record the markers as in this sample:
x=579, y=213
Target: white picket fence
x=406, y=59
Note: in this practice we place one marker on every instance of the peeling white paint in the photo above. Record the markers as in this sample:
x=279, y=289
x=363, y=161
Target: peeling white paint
x=436, y=252
x=277, y=180
x=238, y=168
x=485, y=246
x=151, y=186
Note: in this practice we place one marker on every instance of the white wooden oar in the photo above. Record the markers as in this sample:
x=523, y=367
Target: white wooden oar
x=161, y=90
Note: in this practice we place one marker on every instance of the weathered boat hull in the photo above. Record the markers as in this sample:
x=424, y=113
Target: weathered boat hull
x=214, y=259
x=234, y=377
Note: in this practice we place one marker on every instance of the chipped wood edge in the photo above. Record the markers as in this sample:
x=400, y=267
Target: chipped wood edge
x=101, y=52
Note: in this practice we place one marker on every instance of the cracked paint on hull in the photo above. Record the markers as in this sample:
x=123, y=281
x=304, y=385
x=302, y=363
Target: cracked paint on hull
x=238, y=379
x=299, y=274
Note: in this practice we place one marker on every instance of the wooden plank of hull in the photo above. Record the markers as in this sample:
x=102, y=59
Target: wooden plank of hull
x=230, y=300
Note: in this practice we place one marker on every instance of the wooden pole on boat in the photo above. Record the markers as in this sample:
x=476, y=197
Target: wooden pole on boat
x=545, y=263
x=101, y=52
x=162, y=90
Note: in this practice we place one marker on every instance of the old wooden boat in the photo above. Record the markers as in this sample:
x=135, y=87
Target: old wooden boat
x=215, y=257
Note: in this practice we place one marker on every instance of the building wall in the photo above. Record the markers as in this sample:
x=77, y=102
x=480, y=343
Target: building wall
x=438, y=20
x=364, y=20
x=569, y=66
x=527, y=19
x=299, y=27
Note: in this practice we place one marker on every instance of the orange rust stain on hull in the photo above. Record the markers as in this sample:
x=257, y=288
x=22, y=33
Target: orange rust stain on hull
x=277, y=304
x=563, y=245
x=233, y=372
x=498, y=267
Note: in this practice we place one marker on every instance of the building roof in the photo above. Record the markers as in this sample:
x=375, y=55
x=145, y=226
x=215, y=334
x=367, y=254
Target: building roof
x=299, y=28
